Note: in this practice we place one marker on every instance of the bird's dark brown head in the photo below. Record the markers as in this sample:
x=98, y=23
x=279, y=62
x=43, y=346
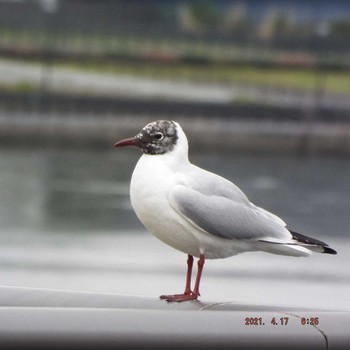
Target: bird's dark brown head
x=158, y=137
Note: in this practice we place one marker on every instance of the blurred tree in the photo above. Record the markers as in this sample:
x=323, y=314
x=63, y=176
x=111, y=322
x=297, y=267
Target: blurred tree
x=236, y=19
x=200, y=16
x=278, y=23
x=340, y=28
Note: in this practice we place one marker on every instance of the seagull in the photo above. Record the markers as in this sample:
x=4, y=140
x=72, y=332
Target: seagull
x=198, y=212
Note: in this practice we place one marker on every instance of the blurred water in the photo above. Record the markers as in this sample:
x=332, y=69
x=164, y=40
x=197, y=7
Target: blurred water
x=66, y=222
x=88, y=190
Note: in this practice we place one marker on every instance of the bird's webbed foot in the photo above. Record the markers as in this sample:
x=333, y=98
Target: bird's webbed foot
x=179, y=297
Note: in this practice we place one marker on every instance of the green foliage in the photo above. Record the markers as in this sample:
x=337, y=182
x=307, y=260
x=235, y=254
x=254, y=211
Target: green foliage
x=205, y=13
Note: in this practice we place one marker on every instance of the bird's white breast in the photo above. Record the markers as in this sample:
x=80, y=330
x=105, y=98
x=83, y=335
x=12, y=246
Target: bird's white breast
x=151, y=183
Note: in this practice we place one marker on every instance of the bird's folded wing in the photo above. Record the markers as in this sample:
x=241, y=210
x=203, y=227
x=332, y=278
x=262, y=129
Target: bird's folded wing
x=225, y=217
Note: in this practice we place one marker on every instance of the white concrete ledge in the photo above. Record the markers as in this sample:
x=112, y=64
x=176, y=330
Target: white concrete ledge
x=53, y=298
x=39, y=318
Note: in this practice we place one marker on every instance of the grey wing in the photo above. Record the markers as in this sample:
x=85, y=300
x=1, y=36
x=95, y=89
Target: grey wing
x=225, y=217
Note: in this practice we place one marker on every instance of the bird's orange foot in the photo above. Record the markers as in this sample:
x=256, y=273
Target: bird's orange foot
x=179, y=298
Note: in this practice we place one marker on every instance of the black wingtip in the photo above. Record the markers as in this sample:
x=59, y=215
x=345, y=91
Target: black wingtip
x=329, y=251
x=308, y=240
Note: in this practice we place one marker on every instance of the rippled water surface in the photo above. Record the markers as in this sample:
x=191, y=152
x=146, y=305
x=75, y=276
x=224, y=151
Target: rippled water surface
x=88, y=190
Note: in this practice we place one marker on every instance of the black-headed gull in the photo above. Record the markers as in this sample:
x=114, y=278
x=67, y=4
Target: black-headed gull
x=198, y=212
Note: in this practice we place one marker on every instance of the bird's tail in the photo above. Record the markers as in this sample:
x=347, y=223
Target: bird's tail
x=313, y=244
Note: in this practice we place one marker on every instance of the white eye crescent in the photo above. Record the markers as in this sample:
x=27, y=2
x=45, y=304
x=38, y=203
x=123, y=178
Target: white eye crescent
x=159, y=136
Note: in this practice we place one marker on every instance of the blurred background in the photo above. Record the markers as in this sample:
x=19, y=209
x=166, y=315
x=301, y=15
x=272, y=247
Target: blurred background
x=262, y=89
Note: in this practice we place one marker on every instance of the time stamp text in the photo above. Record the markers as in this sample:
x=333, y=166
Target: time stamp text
x=280, y=321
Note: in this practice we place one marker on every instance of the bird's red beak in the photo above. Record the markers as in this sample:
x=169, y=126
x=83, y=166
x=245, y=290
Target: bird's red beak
x=132, y=141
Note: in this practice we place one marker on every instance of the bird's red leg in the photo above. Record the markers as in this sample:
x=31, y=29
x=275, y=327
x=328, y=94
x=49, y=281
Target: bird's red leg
x=188, y=294
x=199, y=275
x=188, y=290
x=189, y=275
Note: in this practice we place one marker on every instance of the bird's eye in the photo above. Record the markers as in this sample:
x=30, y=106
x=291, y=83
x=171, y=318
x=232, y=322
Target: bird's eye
x=159, y=136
